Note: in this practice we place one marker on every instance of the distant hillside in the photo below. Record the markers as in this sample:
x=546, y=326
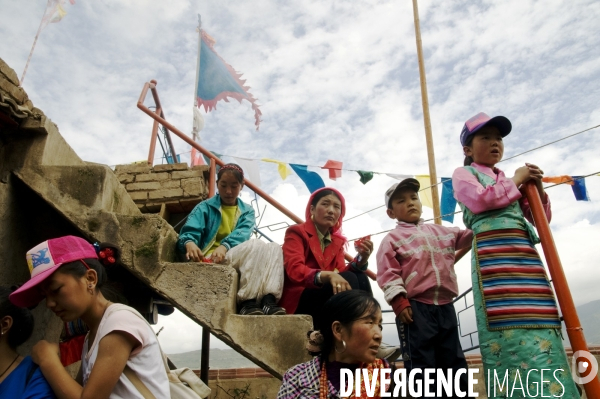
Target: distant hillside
x=218, y=359
x=589, y=315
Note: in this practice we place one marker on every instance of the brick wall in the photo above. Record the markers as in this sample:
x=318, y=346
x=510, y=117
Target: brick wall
x=177, y=186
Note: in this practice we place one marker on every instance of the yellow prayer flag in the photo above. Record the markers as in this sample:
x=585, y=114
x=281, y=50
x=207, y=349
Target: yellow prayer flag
x=282, y=167
x=425, y=195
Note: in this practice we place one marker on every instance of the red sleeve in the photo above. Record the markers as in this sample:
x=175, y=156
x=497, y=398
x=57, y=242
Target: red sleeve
x=294, y=259
x=399, y=303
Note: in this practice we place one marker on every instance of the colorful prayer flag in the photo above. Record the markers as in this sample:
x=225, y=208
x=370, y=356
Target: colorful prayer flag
x=335, y=168
x=251, y=169
x=312, y=180
x=558, y=179
x=398, y=177
x=448, y=205
x=425, y=194
x=579, y=189
x=54, y=12
x=196, y=158
x=365, y=176
x=282, y=168
x=207, y=159
x=217, y=80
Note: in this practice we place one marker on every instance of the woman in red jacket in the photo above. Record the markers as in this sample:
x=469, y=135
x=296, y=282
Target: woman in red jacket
x=313, y=256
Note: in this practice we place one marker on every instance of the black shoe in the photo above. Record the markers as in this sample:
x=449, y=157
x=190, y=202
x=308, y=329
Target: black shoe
x=269, y=306
x=250, y=308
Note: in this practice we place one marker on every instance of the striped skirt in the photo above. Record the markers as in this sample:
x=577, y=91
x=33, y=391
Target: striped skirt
x=513, y=282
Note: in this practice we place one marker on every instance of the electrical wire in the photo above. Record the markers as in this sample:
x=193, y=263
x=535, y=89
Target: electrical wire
x=506, y=159
x=457, y=212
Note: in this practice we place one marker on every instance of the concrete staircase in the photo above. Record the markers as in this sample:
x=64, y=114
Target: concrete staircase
x=95, y=204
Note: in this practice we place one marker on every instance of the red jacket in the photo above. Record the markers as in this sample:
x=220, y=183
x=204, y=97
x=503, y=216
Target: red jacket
x=303, y=258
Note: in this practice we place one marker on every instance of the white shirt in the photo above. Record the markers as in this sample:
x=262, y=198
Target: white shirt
x=145, y=360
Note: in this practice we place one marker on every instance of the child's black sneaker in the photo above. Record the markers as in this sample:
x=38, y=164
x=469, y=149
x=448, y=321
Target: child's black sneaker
x=250, y=308
x=269, y=306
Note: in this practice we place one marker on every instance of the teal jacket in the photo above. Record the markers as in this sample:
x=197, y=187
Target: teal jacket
x=203, y=223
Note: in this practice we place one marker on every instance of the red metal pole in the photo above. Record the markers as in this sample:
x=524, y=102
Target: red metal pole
x=213, y=159
x=153, y=141
x=204, y=151
x=561, y=287
x=212, y=172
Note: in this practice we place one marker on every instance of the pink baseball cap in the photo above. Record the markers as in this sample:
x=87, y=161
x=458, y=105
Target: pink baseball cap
x=480, y=120
x=44, y=259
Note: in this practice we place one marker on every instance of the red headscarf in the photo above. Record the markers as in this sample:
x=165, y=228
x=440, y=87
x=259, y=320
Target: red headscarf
x=337, y=229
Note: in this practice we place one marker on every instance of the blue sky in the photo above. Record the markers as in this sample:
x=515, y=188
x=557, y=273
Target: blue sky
x=336, y=80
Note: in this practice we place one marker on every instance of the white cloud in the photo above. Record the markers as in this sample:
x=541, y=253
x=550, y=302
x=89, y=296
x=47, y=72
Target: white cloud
x=335, y=81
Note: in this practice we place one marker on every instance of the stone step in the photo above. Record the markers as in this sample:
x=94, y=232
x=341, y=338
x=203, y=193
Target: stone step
x=91, y=197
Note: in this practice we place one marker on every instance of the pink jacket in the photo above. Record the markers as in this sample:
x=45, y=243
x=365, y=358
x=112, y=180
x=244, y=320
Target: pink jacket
x=478, y=199
x=417, y=260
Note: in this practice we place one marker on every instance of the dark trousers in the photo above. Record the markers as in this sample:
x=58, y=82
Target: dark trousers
x=432, y=341
x=312, y=300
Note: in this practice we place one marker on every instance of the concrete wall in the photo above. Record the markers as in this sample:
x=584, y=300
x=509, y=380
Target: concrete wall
x=27, y=139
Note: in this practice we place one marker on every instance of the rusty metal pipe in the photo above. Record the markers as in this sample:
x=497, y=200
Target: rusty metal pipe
x=153, y=142
x=204, y=151
x=159, y=112
x=559, y=280
x=211, y=178
x=211, y=156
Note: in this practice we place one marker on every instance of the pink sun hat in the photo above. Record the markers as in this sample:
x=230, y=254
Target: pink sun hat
x=44, y=259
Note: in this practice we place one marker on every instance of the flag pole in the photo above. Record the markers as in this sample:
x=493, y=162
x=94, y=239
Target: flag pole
x=33, y=46
x=199, y=29
x=428, y=136
x=205, y=353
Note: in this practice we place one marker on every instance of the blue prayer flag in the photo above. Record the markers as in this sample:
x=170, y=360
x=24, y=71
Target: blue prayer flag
x=217, y=80
x=579, y=189
x=312, y=180
x=448, y=205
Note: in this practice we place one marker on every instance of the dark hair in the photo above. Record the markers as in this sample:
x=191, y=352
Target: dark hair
x=77, y=269
x=345, y=307
x=468, y=160
x=234, y=169
x=321, y=194
x=22, y=326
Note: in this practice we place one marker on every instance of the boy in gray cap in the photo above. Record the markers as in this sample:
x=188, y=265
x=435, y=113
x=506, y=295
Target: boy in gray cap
x=415, y=270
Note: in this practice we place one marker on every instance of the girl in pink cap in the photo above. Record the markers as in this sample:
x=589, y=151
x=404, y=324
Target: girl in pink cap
x=67, y=273
x=517, y=318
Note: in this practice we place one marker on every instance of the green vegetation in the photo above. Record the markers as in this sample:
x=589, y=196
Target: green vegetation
x=148, y=249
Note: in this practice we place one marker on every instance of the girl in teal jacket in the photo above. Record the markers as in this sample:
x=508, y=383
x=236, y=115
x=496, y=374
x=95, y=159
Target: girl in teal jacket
x=218, y=230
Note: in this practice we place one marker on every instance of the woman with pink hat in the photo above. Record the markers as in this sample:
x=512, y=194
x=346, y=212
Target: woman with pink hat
x=67, y=273
x=313, y=257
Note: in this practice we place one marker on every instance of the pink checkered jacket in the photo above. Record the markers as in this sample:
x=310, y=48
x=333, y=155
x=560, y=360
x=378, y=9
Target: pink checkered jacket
x=417, y=260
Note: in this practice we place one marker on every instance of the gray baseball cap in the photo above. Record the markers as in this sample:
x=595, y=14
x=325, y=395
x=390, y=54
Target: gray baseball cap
x=406, y=183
